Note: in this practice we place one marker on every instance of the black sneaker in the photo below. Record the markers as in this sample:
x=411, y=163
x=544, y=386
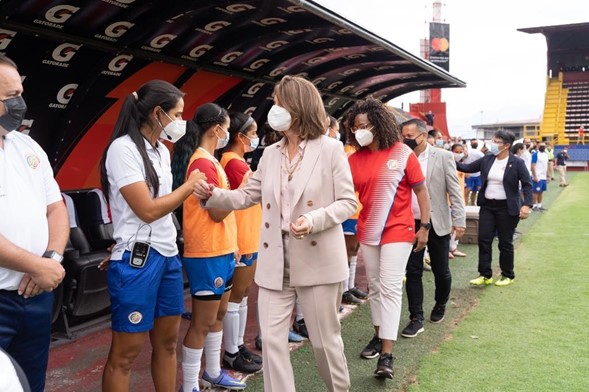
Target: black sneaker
x=349, y=298
x=247, y=354
x=356, y=292
x=384, y=367
x=438, y=313
x=300, y=328
x=372, y=349
x=238, y=363
x=414, y=328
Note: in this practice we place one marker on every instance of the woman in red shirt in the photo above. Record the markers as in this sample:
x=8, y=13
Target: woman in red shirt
x=385, y=172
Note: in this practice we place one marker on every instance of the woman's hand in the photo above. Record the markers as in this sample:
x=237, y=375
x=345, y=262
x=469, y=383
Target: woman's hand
x=103, y=265
x=195, y=176
x=458, y=232
x=300, y=228
x=524, y=212
x=202, y=189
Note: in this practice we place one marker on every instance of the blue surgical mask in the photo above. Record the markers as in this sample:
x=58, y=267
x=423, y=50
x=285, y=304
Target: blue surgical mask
x=440, y=143
x=494, y=148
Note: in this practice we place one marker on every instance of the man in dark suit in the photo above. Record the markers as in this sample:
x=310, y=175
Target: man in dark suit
x=502, y=176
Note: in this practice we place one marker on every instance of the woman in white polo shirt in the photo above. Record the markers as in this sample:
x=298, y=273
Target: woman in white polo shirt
x=145, y=272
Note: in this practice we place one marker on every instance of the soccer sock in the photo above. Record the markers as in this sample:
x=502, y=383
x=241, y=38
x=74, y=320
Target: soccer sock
x=299, y=311
x=242, y=320
x=191, y=367
x=213, y=353
x=353, y=263
x=231, y=327
x=345, y=286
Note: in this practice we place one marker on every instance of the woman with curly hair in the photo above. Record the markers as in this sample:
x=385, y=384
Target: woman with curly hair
x=385, y=173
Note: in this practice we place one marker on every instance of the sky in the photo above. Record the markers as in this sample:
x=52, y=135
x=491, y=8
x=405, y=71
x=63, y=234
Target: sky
x=505, y=69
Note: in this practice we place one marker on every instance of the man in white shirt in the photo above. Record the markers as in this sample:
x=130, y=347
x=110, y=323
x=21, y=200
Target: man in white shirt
x=539, y=176
x=34, y=229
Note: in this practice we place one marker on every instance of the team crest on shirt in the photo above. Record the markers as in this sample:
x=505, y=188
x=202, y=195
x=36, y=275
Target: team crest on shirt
x=392, y=164
x=218, y=282
x=135, y=317
x=33, y=161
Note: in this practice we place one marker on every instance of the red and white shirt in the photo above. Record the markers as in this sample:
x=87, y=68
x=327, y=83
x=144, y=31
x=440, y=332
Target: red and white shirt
x=384, y=181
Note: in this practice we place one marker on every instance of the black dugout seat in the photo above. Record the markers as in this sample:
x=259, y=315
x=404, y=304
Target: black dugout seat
x=85, y=286
x=95, y=218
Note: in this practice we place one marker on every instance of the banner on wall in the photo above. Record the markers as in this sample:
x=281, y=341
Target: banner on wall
x=439, y=45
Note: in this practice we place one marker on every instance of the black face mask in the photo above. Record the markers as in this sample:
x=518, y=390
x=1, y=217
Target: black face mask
x=14, y=113
x=411, y=143
x=542, y=149
x=474, y=145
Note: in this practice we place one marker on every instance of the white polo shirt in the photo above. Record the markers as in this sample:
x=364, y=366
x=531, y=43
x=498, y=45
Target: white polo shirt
x=27, y=187
x=124, y=166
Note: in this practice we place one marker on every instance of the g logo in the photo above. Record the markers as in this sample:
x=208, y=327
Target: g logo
x=5, y=38
x=117, y=29
x=200, y=50
x=65, y=93
x=119, y=62
x=162, y=40
x=60, y=13
x=65, y=52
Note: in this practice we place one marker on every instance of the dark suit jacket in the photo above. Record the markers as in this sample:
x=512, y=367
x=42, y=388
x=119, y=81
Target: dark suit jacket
x=515, y=173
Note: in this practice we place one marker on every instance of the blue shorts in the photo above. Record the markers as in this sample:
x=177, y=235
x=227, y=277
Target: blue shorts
x=350, y=227
x=247, y=260
x=473, y=183
x=139, y=295
x=540, y=186
x=210, y=276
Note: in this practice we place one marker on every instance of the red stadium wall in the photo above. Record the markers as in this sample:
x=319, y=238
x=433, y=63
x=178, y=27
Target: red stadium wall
x=439, y=111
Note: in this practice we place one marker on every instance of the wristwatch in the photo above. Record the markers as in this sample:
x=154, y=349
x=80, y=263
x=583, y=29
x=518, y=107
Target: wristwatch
x=426, y=226
x=52, y=254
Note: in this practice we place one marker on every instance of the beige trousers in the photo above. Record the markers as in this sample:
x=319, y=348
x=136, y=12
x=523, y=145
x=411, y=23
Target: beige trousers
x=320, y=306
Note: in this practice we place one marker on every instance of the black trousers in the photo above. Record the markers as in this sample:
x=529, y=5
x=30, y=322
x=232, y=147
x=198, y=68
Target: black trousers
x=438, y=248
x=495, y=219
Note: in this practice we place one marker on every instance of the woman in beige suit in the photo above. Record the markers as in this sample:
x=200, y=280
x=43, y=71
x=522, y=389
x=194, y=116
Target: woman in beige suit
x=305, y=187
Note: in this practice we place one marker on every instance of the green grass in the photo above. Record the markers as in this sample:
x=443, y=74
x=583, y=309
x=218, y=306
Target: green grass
x=528, y=336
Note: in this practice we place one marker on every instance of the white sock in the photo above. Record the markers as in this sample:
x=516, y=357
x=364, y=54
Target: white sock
x=539, y=205
x=353, y=263
x=242, y=321
x=345, y=286
x=213, y=353
x=190, y=367
x=299, y=311
x=231, y=327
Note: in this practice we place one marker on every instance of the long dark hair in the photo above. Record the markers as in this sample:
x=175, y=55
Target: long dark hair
x=133, y=115
x=386, y=130
x=205, y=117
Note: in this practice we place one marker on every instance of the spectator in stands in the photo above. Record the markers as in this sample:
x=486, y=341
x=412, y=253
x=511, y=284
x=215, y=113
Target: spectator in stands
x=581, y=135
x=210, y=247
x=539, y=176
x=303, y=250
x=243, y=139
x=561, y=166
x=441, y=180
x=385, y=172
x=145, y=272
x=473, y=180
x=34, y=229
x=333, y=128
x=501, y=205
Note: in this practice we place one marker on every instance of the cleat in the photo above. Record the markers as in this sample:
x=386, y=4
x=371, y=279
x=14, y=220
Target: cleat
x=223, y=381
x=481, y=281
x=356, y=292
x=503, y=281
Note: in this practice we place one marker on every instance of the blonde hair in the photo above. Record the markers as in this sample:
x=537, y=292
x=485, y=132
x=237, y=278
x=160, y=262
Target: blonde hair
x=302, y=100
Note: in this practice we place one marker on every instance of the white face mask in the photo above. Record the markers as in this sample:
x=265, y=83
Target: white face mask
x=174, y=130
x=364, y=137
x=458, y=156
x=279, y=118
x=338, y=136
x=222, y=143
x=254, y=143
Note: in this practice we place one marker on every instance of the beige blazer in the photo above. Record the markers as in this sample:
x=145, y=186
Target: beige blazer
x=323, y=189
x=442, y=184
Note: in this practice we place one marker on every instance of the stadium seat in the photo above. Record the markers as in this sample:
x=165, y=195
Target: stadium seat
x=95, y=219
x=85, y=286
